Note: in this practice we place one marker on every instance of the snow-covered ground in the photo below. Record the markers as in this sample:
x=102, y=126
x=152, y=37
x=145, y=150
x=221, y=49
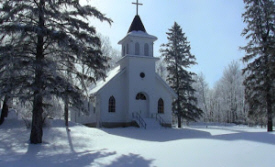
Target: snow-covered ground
x=199, y=145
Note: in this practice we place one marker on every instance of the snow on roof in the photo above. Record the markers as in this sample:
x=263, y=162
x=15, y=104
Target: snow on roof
x=140, y=34
x=101, y=83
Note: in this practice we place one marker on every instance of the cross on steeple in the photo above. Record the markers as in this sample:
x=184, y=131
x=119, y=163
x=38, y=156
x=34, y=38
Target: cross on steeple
x=136, y=3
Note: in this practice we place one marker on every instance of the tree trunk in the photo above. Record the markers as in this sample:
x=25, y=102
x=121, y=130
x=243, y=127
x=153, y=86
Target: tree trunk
x=5, y=110
x=178, y=93
x=179, y=113
x=37, y=120
x=179, y=120
x=66, y=112
x=268, y=96
x=269, y=113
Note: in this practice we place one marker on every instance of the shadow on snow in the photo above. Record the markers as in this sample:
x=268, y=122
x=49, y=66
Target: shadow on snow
x=163, y=135
x=33, y=157
x=56, y=154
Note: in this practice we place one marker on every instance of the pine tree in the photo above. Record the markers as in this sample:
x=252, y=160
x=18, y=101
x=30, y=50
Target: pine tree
x=179, y=58
x=43, y=39
x=259, y=73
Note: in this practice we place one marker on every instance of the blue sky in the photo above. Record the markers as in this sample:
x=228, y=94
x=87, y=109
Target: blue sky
x=213, y=28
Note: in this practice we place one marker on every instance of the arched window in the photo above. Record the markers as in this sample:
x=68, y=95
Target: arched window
x=112, y=104
x=160, y=106
x=140, y=96
x=146, y=49
x=123, y=51
x=137, y=48
x=127, y=48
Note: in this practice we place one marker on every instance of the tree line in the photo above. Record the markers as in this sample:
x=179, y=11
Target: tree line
x=225, y=102
x=242, y=95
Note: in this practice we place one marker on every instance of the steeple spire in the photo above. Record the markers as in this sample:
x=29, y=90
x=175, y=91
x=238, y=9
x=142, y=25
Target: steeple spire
x=138, y=4
x=137, y=25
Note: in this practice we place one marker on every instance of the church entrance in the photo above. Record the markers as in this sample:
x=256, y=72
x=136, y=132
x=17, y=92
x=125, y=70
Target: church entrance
x=142, y=105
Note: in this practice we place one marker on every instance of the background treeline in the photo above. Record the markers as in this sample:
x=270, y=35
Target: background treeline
x=225, y=101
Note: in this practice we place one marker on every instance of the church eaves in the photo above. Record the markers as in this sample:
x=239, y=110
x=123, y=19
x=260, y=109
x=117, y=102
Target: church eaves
x=137, y=25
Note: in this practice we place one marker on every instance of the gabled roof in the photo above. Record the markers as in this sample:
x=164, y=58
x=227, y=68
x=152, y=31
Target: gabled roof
x=137, y=25
x=100, y=84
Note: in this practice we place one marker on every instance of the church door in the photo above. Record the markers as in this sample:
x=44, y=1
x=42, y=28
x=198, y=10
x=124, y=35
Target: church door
x=142, y=105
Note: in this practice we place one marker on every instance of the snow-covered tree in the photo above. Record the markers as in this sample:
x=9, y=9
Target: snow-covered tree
x=226, y=100
x=178, y=59
x=218, y=102
x=44, y=39
x=108, y=51
x=202, y=95
x=232, y=80
x=161, y=68
x=230, y=94
x=260, y=58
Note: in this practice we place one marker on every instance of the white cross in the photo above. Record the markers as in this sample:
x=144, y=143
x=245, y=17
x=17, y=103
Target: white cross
x=136, y=3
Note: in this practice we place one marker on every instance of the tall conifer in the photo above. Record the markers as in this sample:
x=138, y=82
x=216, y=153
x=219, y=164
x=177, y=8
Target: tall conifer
x=260, y=58
x=179, y=58
x=43, y=39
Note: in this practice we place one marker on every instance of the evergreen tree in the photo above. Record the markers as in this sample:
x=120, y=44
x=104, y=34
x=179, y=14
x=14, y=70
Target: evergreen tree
x=43, y=39
x=178, y=59
x=259, y=72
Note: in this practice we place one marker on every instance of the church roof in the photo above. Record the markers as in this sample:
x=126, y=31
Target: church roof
x=137, y=25
x=100, y=84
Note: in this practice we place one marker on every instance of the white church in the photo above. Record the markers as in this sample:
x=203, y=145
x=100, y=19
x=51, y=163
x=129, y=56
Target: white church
x=133, y=93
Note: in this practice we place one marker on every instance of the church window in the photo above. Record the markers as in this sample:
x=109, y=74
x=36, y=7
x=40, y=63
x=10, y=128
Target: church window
x=123, y=52
x=137, y=48
x=146, y=49
x=160, y=106
x=127, y=48
x=140, y=96
x=112, y=104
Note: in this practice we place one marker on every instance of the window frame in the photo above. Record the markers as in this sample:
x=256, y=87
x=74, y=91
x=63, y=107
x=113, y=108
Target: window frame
x=127, y=48
x=141, y=96
x=137, y=48
x=160, y=106
x=146, y=49
x=112, y=105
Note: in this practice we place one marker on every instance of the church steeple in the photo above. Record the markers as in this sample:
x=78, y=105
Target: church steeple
x=137, y=42
x=137, y=25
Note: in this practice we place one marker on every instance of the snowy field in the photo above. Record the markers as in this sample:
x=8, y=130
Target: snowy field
x=195, y=146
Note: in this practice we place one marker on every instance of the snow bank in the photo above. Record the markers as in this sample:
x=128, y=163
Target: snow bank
x=214, y=146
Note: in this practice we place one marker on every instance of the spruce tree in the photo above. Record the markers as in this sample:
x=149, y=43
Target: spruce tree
x=178, y=59
x=259, y=72
x=43, y=39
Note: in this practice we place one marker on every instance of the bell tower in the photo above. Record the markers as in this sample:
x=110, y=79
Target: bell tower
x=137, y=41
x=139, y=63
